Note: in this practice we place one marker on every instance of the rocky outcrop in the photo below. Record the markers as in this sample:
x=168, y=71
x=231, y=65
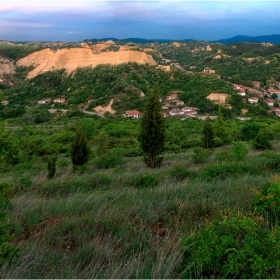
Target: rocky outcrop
x=6, y=66
x=73, y=58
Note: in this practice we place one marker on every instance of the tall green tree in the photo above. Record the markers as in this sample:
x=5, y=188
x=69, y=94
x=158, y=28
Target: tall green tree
x=152, y=131
x=80, y=150
x=208, y=134
x=220, y=130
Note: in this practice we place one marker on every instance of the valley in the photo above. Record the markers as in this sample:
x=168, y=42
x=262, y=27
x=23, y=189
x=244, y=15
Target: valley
x=210, y=207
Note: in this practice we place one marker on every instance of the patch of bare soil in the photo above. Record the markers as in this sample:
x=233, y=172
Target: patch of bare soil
x=102, y=110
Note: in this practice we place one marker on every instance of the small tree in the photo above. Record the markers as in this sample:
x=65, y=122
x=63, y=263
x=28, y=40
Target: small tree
x=220, y=130
x=51, y=162
x=80, y=150
x=239, y=150
x=152, y=131
x=208, y=134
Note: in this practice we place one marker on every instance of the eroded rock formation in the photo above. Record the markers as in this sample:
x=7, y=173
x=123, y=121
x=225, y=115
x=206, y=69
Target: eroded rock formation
x=71, y=59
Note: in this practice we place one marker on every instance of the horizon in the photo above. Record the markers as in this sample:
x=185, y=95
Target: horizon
x=70, y=21
x=124, y=39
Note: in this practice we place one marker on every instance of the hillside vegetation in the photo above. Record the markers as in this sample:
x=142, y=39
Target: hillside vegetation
x=209, y=210
x=118, y=218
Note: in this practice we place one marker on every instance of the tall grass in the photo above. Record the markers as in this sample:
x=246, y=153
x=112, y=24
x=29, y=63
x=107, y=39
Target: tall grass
x=101, y=224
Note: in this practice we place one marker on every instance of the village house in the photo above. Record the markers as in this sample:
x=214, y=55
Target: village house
x=275, y=109
x=166, y=106
x=134, y=114
x=192, y=113
x=277, y=113
x=175, y=112
x=59, y=100
x=165, y=115
x=269, y=102
x=236, y=87
x=42, y=101
x=48, y=99
x=256, y=84
x=253, y=100
x=179, y=103
x=241, y=92
x=209, y=71
x=192, y=67
x=90, y=101
x=5, y=102
x=171, y=97
x=166, y=60
x=189, y=109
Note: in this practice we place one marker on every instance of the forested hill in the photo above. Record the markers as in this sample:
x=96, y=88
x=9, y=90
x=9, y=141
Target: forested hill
x=180, y=68
x=125, y=84
x=242, y=62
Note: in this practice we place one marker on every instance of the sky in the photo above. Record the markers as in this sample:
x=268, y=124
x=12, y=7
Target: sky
x=77, y=20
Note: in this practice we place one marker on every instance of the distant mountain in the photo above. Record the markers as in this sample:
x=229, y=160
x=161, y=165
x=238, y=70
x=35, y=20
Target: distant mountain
x=141, y=40
x=273, y=39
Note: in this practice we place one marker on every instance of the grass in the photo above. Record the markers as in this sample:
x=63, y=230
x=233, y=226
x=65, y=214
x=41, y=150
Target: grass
x=99, y=224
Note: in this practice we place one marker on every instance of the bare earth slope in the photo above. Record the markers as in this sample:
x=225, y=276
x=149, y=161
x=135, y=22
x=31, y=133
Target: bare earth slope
x=70, y=59
x=6, y=66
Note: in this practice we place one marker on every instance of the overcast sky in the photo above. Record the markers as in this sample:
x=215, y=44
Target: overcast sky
x=76, y=20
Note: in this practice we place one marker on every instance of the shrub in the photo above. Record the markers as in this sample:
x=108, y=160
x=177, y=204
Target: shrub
x=222, y=170
x=266, y=202
x=180, y=172
x=23, y=183
x=239, y=150
x=262, y=142
x=144, y=181
x=201, y=155
x=236, y=246
x=108, y=161
x=7, y=251
x=271, y=159
x=223, y=155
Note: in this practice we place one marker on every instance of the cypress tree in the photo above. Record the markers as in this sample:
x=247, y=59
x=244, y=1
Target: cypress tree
x=220, y=129
x=80, y=150
x=152, y=131
x=208, y=134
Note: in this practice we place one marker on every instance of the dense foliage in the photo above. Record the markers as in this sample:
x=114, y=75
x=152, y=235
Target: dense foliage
x=152, y=131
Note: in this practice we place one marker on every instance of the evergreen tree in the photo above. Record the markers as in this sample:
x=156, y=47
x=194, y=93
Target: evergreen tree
x=208, y=134
x=80, y=150
x=152, y=131
x=51, y=162
x=220, y=130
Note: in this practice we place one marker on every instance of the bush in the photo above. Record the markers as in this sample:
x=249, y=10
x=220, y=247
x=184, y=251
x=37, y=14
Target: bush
x=239, y=150
x=144, y=181
x=22, y=184
x=223, y=155
x=180, y=172
x=262, y=141
x=201, y=155
x=271, y=160
x=266, y=202
x=108, y=161
x=236, y=246
x=222, y=170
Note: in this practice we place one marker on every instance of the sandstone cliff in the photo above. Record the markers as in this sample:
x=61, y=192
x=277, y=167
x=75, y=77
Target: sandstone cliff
x=6, y=66
x=70, y=59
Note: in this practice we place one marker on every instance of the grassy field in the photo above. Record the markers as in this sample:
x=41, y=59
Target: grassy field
x=126, y=221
